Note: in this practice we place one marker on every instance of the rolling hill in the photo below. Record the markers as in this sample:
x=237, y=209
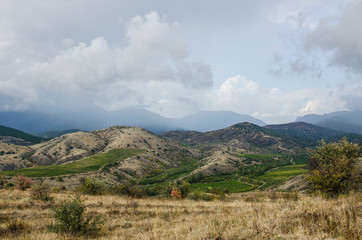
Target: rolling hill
x=305, y=130
x=313, y=133
x=74, y=153
x=239, y=136
x=17, y=137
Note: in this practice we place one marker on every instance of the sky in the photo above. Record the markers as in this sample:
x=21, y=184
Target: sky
x=274, y=60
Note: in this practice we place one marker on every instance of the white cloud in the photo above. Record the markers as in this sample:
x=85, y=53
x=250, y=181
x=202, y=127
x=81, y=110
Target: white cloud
x=243, y=95
x=155, y=54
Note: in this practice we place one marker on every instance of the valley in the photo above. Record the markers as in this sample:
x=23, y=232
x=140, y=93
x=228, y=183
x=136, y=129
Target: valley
x=242, y=157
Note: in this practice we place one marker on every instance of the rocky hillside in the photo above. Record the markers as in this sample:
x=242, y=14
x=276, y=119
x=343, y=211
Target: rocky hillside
x=305, y=130
x=240, y=136
x=313, y=133
x=159, y=153
x=13, y=156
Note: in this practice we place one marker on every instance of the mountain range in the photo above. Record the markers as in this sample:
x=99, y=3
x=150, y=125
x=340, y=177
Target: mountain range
x=347, y=121
x=40, y=122
x=221, y=151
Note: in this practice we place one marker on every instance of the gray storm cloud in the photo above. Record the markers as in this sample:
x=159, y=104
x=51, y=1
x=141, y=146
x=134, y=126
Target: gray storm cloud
x=155, y=52
x=342, y=37
x=183, y=57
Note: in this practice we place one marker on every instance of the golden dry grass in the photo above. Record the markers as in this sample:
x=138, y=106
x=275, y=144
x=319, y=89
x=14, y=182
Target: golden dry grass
x=240, y=217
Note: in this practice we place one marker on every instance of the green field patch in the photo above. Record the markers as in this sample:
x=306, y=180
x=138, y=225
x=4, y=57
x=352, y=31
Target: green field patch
x=89, y=164
x=232, y=186
x=286, y=171
x=281, y=174
x=256, y=156
x=170, y=174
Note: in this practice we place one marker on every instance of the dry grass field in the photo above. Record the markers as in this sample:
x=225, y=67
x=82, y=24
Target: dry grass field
x=240, y=216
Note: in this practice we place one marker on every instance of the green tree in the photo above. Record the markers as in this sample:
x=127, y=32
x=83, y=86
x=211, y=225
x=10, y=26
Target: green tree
x=71, y=217
x=333, y=167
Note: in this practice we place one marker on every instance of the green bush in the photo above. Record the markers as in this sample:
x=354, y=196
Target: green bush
x=91, y=187
x=333, y=168
x=70, y=217
x=198, y=195
x=127, y=190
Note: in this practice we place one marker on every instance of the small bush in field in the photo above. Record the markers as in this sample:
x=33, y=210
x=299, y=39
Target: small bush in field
x=291, y=196
x=127, y=190
x=3, y=182
x=200, y=196
x=17, y=227
x=41, y=192
x=71, y=218
x=273, y=196
x=91, y=187
x=132, y=204
x=22, y=183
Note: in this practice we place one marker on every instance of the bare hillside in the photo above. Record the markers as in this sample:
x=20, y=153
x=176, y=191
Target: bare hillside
x=67, y=148
x=13, y=156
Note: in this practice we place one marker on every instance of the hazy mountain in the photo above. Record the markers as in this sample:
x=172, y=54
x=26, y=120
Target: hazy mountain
x=11, y=135
x=92, y=117
x=53, y=134
x=212, y=120
x=348, y=121
x=139, y=117
x=37, y=121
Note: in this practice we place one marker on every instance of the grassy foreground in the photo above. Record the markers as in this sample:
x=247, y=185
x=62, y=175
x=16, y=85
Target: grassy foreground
x=90, y=164
x=242, y=216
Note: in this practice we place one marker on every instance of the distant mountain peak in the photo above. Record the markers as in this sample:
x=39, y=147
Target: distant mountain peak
x=347, y=121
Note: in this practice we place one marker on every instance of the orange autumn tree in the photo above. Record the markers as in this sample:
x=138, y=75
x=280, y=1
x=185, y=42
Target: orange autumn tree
x=175, y=194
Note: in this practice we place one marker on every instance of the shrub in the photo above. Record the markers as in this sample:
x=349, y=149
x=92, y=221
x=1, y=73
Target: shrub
x=91, y=186
x=198, y=195
x=291, y=196
x=128, y=190
x=3, y=182
x=22, y=183
x=17, y=227
x=41, y=192
x=333, y=168
x=184, y=189
x=132, y=204
x=71, y=218
x=194, y=178
x=60, y=179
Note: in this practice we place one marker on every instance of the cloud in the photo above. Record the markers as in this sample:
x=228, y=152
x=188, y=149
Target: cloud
x=342, y=36
x=112, y=57
x=321, y=38
x=155, y=53
x=243, y=95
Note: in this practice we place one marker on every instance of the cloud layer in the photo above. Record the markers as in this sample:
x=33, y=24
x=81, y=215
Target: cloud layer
x=115, y=60
x=155, y=54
